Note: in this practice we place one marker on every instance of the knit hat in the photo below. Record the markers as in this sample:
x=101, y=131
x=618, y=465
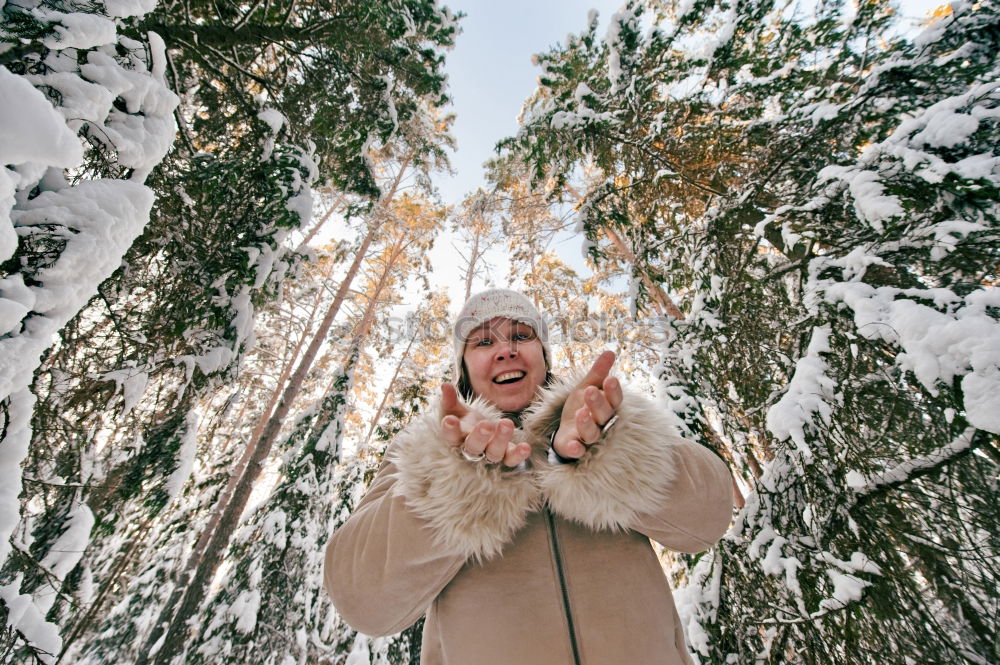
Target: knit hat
x=486, y=305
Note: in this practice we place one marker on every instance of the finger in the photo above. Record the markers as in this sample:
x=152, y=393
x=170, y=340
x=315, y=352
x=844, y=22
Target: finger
x=570, y=447
x=516, y=453
x=613, y=392
x=496, y=447
x=450, y=402
x=587, y=429
x=452, y=430
x=597, y=403
x=480, y=435
x=599, y=370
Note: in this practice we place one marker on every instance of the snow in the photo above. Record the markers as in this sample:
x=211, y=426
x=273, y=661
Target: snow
x=846, y=589
x=858, y=562
x=76, y=29
x=142, y=136
x=867, y=191
x=65, y=553
x=809, y=393
x=30, y=129
x=360, y=653
x=125, y=8
x=614, y=57
x=947, y=235
x=24, y=617
x=946, y=129
x=243, y=319
x=273, y=529
x=104, y=218
x=12, y=453
x=273, y=118
x=16, y=300
x=244, y=609
x=87, y=589
x=936, y=346
x=302, y=202
x=697, y=602
x=775, y=564
x=131, y=383
x=905, y=470
x=32, y=137
x=185, y=456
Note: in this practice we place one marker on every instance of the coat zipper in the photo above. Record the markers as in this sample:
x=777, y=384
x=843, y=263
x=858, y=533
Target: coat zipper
x=550, y=522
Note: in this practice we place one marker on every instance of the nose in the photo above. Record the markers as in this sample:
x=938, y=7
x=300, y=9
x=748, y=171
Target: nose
x=506, y=349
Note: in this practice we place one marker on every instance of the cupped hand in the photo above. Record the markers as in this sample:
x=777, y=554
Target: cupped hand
x=591, y=404
x=469, y=431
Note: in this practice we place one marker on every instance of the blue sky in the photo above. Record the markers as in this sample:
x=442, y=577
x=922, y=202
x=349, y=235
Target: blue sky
x=490, y=72
x=490, y=75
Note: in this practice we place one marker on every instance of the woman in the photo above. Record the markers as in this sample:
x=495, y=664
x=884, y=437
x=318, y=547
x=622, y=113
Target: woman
x=519, y=517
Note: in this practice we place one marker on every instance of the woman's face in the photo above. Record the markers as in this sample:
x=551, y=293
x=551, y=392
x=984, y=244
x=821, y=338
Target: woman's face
x=505, y=363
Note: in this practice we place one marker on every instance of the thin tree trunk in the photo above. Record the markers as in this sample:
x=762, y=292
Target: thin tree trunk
x=192, y=587
x=660, y=297
x=388, y=390
x=318, y=225
x=235, y=477
x=472, y=266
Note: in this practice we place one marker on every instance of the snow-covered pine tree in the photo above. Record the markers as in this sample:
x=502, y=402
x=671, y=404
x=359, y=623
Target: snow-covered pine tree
x=115, y=631
x=177, y=314
x=281, y=547
x=819, y=192
x=271, y=607
x=68, y=72
x=416, y=149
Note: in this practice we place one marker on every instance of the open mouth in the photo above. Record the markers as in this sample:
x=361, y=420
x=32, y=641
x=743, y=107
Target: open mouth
x=509, y=377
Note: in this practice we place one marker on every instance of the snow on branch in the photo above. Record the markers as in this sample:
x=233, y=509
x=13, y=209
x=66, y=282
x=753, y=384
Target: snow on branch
x=66, y=238
x=809, y=393
x=910, y=469
x=937, y=346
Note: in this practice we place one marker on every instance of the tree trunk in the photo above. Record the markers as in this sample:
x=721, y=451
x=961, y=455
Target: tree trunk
x=202, y=566
x=659, y=296
x=388, y=390
x=472, y=266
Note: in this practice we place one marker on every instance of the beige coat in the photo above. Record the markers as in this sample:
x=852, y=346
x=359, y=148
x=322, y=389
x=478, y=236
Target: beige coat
x=551, y=565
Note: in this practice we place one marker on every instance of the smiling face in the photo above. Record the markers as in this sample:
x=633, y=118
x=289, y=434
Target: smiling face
x=505, y=363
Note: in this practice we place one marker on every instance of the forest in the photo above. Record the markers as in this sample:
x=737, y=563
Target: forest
x=216, y=311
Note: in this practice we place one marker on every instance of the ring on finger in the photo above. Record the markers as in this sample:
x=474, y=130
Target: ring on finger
x=608, y=425
x=470, y=457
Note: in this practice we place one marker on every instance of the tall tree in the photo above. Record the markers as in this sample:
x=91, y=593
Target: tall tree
x=114, y=431
x=296, y=516
x=67, y=74
x=818, y=194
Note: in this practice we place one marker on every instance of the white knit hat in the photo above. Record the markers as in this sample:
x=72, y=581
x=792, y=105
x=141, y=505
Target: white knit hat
x=486, y=305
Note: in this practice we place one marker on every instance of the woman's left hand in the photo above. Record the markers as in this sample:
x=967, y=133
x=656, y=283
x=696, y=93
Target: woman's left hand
x=589, y=407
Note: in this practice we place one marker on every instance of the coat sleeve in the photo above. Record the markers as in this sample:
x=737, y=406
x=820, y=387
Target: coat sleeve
x=641, y=475
x=426, y=514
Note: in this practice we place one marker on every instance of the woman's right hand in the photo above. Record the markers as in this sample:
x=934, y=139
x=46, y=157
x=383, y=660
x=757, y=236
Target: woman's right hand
x=475, y=435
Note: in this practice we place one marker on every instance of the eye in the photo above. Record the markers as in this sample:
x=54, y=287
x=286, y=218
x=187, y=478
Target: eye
x=484, y=342
x=522, y=337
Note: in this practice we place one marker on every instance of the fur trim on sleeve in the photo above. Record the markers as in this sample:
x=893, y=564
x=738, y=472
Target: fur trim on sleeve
x=625, y=474
x=474, y=508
